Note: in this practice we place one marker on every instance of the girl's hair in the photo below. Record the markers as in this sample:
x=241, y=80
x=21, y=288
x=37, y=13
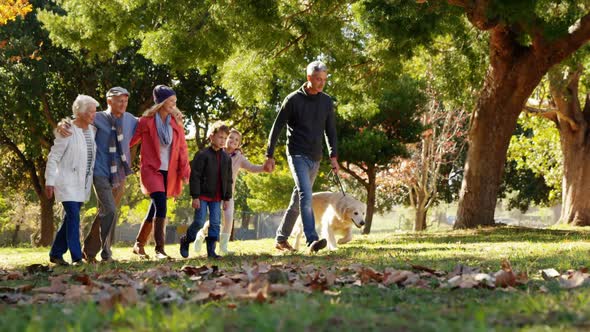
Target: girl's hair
x=154, y=109
x=216, y=127
x=235, y=131
x=82, y=103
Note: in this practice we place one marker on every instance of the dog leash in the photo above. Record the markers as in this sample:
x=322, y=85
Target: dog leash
x=337, y=180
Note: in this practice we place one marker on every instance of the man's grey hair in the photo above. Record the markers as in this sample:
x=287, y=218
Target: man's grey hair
x=82, y=104
x=316, y=66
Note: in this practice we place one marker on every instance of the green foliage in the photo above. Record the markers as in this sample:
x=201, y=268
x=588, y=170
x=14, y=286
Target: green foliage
x=406, y=24
x=537, y=148
x=377, y=131
x=270, y=192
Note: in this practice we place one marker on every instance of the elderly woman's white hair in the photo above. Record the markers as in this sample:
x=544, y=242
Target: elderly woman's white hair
x=82, y=104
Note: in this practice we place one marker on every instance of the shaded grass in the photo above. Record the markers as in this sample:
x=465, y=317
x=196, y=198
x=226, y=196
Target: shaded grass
x=355, y=308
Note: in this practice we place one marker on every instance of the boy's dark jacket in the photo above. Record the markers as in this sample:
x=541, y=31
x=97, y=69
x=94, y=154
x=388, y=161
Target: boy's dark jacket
x=204, y=174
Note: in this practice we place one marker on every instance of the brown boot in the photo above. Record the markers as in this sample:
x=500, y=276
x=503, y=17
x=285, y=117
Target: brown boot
x=142, y=237
x=160, y=237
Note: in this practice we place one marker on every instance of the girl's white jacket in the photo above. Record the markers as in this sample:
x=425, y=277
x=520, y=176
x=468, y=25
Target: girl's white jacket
x=66, y=166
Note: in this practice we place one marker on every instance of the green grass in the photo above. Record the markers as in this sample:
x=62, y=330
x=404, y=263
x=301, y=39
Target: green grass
x=355, y=308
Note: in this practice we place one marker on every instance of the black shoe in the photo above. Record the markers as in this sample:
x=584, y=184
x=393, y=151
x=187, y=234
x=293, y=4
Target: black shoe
x=58, y=261
x=317, y=245
x=211, y=242
x=184, y=244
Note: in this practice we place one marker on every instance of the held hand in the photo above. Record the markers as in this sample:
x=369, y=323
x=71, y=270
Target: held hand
x=269, y=165
x=225, y=205
x=196, y=203
x=334, y=164
x=49, y=191
x=63, y=128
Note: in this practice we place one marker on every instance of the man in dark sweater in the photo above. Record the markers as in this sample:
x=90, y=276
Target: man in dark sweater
x=309, y=116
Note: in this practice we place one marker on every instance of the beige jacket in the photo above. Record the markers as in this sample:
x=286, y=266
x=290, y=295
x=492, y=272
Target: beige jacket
x=239, y=161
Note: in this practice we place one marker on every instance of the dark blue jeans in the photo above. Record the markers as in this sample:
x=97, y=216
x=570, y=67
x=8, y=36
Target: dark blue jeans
x=201, y=216
x=68, y=235
x=158, y=205
x=304, y=171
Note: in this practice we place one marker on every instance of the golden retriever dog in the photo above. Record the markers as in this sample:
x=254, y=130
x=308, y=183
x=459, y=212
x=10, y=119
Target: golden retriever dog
x=335, y=214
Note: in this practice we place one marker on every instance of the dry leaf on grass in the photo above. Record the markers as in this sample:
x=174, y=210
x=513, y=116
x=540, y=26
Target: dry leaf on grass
x=461, y=269
x=14, y=275
x=428, y=270
x=549, y=274
x=57, y=286
x=17, y=289
x=573, y=280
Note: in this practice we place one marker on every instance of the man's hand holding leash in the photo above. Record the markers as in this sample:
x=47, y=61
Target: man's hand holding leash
x=335, y=165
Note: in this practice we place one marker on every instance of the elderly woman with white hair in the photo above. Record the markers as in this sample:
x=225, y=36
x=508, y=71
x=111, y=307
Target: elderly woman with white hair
x=68, y=176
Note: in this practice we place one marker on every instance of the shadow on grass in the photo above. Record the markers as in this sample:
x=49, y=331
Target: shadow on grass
x=492, y=234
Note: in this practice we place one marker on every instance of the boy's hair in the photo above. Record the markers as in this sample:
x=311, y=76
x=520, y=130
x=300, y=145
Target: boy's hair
x=216, y=127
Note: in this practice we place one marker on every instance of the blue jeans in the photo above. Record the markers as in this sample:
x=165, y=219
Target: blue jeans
x=68, y=236
x=304, y=171
x=201, y=216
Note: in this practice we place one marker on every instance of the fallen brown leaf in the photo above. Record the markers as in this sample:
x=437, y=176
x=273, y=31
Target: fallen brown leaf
x=84, y=279
x=367, y=274
x=429, y=270
x=574, y=280
x=77, y=293
x=57, y=285
x=14, y=275
x=505, y=278
x=279, y=289
x=17, y=289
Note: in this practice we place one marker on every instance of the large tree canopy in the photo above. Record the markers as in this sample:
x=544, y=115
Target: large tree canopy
x=526, y=38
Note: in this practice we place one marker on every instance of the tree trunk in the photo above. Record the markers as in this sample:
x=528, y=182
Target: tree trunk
x=371, y=198
x=47, y=227
x=246, y=220
x=420, y=223
x=572, y=124
x=576, y=182
x=15, y=235
x=484, y=166
x=509, y=82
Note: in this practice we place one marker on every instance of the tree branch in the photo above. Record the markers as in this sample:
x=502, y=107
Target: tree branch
x=28, y=164
x=476, y=11
x=354, y=175
x=46, y=113
x=579, y=34
x=290, y=44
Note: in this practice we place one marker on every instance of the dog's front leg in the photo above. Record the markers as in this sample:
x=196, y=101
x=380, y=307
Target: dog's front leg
x=296, y=233
x=346, y=238
x=328, y=234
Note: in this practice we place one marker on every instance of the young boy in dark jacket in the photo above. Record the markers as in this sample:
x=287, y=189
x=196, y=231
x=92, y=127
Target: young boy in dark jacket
x=210, y=187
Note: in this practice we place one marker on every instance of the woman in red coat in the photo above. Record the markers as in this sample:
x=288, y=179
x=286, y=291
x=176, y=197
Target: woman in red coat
x=164, y=164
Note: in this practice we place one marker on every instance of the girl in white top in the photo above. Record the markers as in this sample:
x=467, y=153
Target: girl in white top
x=68, y=176
x=238, y=161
